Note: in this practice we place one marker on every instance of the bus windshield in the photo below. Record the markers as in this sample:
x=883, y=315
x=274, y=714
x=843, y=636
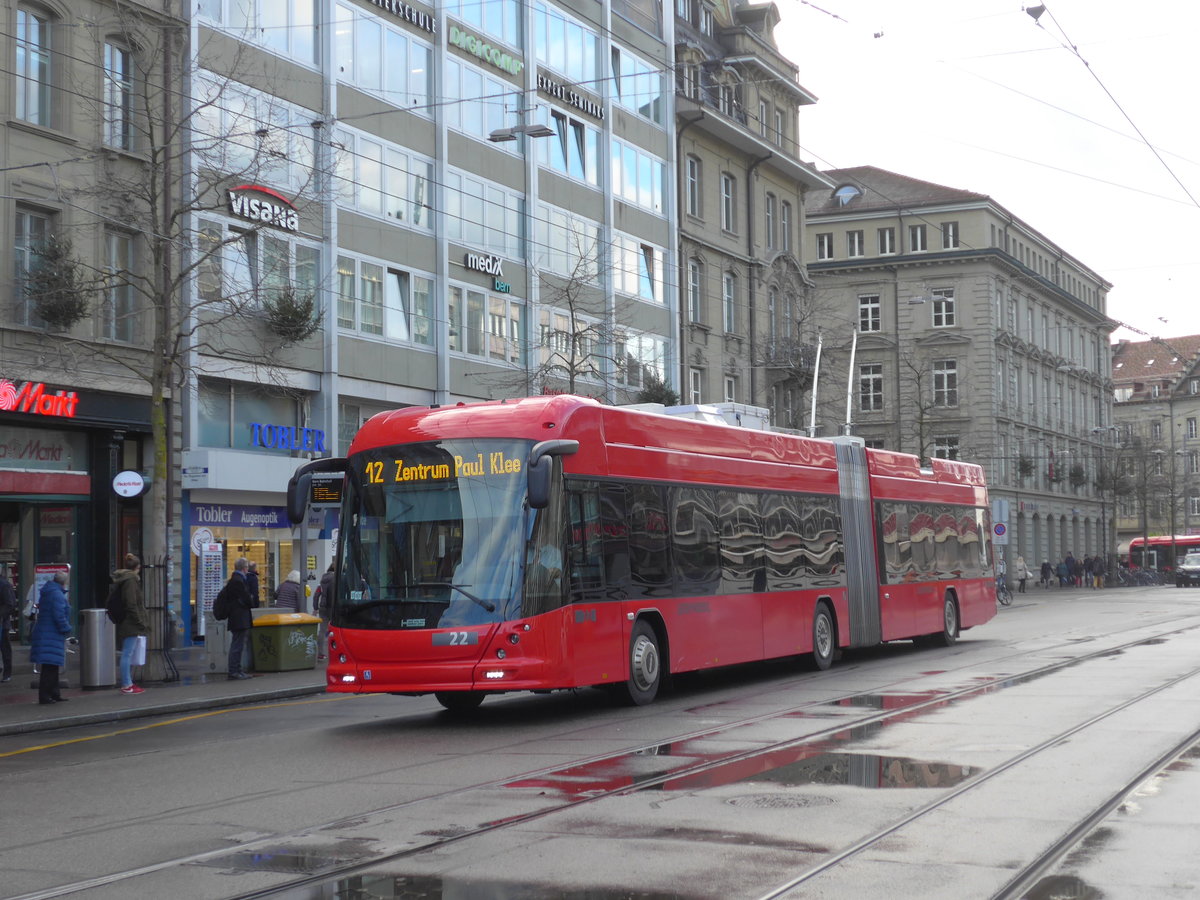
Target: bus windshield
x=433, y=535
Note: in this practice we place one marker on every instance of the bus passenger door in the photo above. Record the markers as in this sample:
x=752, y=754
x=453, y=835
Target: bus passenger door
x=595, y=640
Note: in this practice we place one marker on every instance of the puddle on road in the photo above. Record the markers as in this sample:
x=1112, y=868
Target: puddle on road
x=433, y=887
x=1063, y=887
x=295, y=860
x=866, y=770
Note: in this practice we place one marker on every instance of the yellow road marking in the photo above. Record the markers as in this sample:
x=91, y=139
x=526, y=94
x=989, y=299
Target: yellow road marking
x=203, y=715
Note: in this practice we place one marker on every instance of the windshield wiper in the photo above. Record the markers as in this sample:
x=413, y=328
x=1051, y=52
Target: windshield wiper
x=486, y=604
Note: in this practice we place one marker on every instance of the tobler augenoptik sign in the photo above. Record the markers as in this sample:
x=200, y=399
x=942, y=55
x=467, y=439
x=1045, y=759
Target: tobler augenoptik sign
x=260, y=204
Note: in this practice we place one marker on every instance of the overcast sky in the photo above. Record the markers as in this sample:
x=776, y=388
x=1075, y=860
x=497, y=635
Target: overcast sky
x=976, y=94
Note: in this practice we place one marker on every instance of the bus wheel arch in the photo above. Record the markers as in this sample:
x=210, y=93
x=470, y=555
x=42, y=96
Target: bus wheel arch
x=824, y=635
x=647, y=660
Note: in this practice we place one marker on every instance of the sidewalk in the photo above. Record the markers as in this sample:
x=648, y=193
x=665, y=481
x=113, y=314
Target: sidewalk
x=196, y=689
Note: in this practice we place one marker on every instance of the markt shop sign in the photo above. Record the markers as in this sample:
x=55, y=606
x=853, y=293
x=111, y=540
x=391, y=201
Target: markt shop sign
x=35, y=398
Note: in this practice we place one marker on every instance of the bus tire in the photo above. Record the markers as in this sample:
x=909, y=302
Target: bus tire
x=824, y=638
x=460, y=701
x=645, y=665
x=949, y=632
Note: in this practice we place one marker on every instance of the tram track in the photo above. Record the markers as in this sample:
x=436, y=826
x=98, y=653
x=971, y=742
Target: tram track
x=915, y=706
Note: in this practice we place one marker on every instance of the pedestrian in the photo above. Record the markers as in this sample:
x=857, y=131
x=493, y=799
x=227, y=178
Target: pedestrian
x=1077, y=573
x=8, y=614
x=252, y=581
x=323, y=604
x=1070, y=564
x=290, y=595
x=1022, y=574
x=241, y=601
x=1098, y=572
x=48, y=640
x=1064, y=574
x=136, y=622
x=1047, y=573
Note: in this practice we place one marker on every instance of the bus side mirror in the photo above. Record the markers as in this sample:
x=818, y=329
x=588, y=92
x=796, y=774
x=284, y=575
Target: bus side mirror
x=541, y=466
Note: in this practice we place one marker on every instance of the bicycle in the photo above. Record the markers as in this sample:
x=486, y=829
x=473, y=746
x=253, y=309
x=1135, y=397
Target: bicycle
x=1003, y=594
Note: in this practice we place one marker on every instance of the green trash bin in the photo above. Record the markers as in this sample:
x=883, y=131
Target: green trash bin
x=281, y=642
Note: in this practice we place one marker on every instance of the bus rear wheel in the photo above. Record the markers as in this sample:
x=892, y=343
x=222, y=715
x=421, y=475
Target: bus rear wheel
x=949, y=633
x=824, y=644
x=460, y=701
x=645, y=665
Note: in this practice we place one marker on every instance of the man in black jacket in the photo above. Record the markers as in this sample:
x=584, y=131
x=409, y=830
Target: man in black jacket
x=241, y=601
x=8, y=612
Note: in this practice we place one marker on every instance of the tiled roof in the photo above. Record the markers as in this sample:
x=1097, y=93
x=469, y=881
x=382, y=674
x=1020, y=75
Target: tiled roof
x=1150, y=361
x=882, y=189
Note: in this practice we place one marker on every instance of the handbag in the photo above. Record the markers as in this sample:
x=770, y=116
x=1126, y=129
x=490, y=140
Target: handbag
x=138, y=657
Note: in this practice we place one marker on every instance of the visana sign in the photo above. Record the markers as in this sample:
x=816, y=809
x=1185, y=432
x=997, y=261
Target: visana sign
x=260, y=204
x=32, y=398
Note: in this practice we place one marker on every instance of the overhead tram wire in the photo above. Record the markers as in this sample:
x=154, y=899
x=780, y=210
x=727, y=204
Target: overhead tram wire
x=1074, y=50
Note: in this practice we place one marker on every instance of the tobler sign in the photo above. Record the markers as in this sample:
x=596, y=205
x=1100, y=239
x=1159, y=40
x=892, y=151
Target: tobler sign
x=33, y=397
x=260, y=204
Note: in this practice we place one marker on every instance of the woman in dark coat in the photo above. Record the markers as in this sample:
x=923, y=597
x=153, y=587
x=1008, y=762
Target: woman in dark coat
x=135, y=623
x=290, y=595
x=48, y=639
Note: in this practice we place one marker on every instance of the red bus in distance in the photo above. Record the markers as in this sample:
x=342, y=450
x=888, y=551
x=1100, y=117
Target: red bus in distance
x=557, y=543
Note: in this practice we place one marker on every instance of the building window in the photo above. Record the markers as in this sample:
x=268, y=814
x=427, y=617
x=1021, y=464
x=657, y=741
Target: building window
x=1194, y=462
x=943, y=307
x=780, y=126
x=1156, y=431
x=235, y=415
x=870, y=387
x=695, y=383
x=945, y=383
x=772, y=212
x=729, y=302
x=762, y=117
x=728, y=201
x=286, y=26
x=916, y=239
x=683, y=10
x=706, y=19
x=119, y=313
x=1194, y=385
x=945, y=446
x=695, y=298
x=870, y=316
x=387, y=303
x=1155, y=390
x=692, y=188
x=949, y=235
x=638, y=86
x=639, y=358
x=29, y=237
x=731, y=391
x=33, y=67
x=887, y=241
x=118, y=96
x=639, y=269
x=785, y=227
x=825, y=245
x=854, y=243
x=1191, y=427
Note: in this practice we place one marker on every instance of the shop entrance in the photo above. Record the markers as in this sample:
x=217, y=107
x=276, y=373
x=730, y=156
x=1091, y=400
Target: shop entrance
x=37, y=533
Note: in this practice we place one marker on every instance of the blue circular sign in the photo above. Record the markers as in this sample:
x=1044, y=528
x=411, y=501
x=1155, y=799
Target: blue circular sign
x=1000, y=529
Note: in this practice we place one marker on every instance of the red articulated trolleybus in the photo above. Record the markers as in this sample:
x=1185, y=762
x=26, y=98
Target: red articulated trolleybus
x=557, y=543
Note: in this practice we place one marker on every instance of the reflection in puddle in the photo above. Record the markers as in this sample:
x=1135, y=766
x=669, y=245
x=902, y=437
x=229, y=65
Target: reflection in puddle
x=433, y=887
x=294, y=860
x=866, y=770
x=1063, y=887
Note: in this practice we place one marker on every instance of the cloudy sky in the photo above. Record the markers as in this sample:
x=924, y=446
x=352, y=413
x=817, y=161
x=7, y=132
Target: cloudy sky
x=977, y=94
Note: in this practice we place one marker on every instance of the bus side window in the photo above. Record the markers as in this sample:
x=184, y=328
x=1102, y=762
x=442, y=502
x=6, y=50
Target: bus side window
x=614, y=528
x=584, y=544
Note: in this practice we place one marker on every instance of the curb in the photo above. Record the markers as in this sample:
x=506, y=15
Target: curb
x=159, y=709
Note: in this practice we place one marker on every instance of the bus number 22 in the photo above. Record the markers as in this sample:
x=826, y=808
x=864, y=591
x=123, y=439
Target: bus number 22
x=454, y=638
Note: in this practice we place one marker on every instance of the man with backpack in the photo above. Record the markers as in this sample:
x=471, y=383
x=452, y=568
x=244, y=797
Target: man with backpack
x=237, y=601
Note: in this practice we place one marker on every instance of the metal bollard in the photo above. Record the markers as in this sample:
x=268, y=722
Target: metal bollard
x=97, y=650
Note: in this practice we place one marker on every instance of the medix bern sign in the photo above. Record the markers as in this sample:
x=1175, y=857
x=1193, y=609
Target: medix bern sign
x=260, y=204
x=32, y=397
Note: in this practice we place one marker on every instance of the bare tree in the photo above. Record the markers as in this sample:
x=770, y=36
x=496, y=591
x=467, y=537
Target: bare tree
x=166, y=284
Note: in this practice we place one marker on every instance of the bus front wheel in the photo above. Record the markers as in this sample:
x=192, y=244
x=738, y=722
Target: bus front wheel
x=645, y=665
x=460, y=701
x=824, y=643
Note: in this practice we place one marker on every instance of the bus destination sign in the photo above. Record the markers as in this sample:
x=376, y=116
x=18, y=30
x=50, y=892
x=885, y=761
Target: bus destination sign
x=498, y=463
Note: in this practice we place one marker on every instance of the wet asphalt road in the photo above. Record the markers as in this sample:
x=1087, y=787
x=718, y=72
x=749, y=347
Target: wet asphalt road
x=733, y=785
